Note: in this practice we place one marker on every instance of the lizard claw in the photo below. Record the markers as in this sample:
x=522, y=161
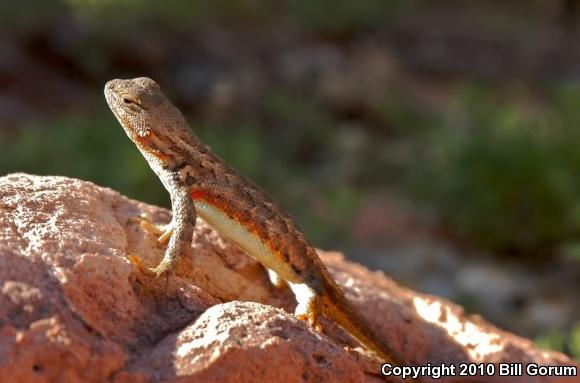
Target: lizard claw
x=309, y=314
x=138, y=263
x=153, y=271
x=308, y=306
x=156, y=271
x=312, y=321
x=162, y=269
x=148, y=270
x=162, y=232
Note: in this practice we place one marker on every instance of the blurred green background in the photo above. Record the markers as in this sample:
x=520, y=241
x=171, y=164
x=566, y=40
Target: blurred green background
x=436, y=141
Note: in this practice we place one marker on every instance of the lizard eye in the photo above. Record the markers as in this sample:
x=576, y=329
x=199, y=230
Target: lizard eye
x=129, y=100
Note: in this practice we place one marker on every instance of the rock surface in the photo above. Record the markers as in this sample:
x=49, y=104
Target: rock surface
x=73, y=308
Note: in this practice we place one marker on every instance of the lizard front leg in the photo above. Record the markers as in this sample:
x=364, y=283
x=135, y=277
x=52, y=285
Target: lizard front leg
x=180, y=229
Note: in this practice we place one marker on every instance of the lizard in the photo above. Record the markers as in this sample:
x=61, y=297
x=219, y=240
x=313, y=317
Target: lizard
x=201, y=183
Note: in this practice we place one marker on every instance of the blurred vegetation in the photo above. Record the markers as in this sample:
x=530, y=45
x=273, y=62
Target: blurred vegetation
x=506, y=175
x=81, y=147
x=96, y=149
x=503, y=175
x=347, y=16
x=496, y=161
x=567, y=342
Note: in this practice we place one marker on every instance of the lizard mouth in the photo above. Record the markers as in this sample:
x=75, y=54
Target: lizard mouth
x=139, y=133
x=115, y=101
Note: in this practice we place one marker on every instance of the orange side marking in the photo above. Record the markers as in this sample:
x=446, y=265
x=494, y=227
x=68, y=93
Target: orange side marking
x=219, y=203
x=146, y=143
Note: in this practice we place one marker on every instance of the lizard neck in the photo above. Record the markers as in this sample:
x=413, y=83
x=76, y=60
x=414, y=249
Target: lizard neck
x=170, y=152
x=171, y=148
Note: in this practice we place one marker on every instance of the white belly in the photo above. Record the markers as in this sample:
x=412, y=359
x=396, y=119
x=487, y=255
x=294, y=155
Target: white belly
x=247, y=241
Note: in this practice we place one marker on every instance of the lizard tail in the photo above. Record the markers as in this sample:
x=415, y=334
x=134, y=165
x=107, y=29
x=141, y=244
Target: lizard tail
x=337, y=308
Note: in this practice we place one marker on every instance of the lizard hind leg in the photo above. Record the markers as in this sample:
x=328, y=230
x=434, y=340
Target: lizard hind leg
x=275, y=279
x=308, y=308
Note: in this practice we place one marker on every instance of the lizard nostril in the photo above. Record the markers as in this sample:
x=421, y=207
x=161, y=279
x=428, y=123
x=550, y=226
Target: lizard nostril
x=111, y=84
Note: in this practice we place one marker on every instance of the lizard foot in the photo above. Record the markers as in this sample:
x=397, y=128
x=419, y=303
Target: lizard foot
x=163, y=268
x=147, y=270
x=163, y=232
x=138, y=263
x=154, y=271
x=312, y=320
x=308, y=308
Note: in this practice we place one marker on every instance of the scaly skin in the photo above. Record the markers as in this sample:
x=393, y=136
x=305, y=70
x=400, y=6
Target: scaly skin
x=199, y=181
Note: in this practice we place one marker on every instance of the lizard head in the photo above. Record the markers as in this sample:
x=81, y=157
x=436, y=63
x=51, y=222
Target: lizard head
x=148, y=117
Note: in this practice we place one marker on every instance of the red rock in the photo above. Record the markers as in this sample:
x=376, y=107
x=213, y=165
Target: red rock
x=73, y=308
